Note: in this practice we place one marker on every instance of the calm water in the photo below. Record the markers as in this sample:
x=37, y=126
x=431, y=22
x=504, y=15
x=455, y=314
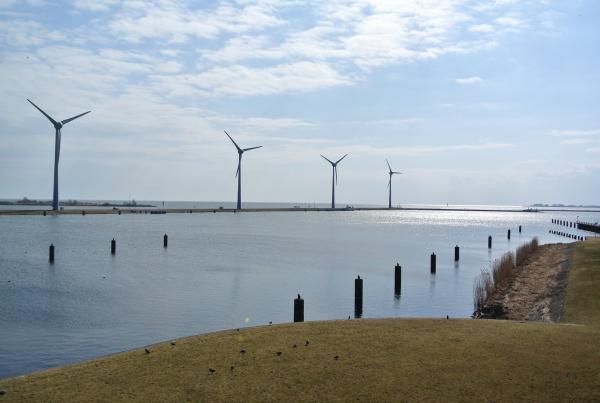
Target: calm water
x=231, y=270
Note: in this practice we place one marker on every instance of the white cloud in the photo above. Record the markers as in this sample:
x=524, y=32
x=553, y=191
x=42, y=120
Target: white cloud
x=94, y=5
x=239, y=80
x=469, y=80
x=482, y=28
x=574, y=133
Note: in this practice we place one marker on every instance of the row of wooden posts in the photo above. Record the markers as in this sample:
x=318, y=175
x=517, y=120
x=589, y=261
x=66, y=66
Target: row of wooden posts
x=565, y=223
x=358, y=284
x=576, y=237
x=113, y=249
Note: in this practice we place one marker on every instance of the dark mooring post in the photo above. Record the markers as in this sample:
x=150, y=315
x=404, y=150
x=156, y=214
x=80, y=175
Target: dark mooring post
x=299, y=309
x=519, y=229
x=397, y=279
x=113, y=246
x=433, y=263
x=456, y=253
x=51, y=253
x=358, y=297
x=165, y=240
x=490, y=242
x=508, y=234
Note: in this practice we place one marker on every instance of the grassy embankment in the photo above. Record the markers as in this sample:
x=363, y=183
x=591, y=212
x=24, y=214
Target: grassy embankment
x=378, y=360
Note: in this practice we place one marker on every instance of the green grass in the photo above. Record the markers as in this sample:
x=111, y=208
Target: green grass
x=582, y=303
x=378, y=360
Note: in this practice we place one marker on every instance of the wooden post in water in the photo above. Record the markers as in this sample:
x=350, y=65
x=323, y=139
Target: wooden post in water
x=490, y=242
x=456, y=253
x=82, y=212
x=51, y=253
x=509, y=235
x=113, y=246
x=358, y=297
x=397, y=279
x=433, y=263
x=299, y=309
x=165, y=240
x=519, y=229
x=44, y=213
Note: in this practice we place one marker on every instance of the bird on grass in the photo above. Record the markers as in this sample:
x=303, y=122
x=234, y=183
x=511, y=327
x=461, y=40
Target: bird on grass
x=447, y=317
x=212, y=371
x=231, y=368
x=279, y=353
x=306, y=343
x=147, y=351
x=242, y=351
x=294, y=346
x=270, y=323
x=172, y=343
x=336, y=357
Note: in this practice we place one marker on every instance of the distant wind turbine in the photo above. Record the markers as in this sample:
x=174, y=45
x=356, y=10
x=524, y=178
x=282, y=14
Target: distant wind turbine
x=390, y=182
x=57, y=125
x=333, y=178
x=238, y=173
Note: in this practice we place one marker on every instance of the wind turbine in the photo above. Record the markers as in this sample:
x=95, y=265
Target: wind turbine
x=57, y=125
x=390, y=182
x=333, y=178
x=238, y=173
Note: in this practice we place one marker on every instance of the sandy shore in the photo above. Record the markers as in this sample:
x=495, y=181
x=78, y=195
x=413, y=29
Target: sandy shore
x=536, y=292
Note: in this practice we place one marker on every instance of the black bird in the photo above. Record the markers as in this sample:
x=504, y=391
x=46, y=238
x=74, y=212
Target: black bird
x=231, y=368
x=279, y=353
x=147, y=351
x=211, y=370
x=242, y=351
x=447, y=317
x=294, y=346
x=348, y=317
x=336, y=357
x=172, y=343
x=270, y=323
x=237, y=330
x=306, y=343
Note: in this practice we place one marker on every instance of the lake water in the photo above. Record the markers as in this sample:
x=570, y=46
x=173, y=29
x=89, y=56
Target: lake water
x=231, y=270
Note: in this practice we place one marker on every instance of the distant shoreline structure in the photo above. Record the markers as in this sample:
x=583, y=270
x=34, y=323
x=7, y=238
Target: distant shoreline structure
x=123, y=209
x=71, y=203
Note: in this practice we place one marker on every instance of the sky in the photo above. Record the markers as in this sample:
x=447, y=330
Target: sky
x=476, y=102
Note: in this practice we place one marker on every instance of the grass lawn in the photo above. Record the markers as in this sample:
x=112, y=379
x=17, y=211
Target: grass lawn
x=377, y=360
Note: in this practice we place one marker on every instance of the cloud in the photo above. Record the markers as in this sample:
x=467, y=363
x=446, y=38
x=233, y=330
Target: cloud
x=574, y=133
x=239, y=80
x=469, y=80
x=482, y=28
x=94, y=5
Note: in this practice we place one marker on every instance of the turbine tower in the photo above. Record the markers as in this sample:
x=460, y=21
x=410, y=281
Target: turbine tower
x=238, y=173
x=57, y=126
x=390, y=182
x=333, y=178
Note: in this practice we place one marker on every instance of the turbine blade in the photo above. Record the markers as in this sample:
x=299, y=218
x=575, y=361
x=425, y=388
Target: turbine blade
x=397, y=172
x=327, y=159
x=251, y=148
x=388, y=165
x=234, y=143
x=64, y=122
x=237, y=172
x=54, y=122
x=389, y=182
x=337, y=162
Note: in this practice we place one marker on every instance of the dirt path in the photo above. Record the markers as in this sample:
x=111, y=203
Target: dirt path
x=537, y=291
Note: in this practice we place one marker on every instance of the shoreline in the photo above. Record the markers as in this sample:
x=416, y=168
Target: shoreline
x=128, y=210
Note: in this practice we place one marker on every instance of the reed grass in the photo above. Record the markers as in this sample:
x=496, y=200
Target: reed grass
x=488, y=282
